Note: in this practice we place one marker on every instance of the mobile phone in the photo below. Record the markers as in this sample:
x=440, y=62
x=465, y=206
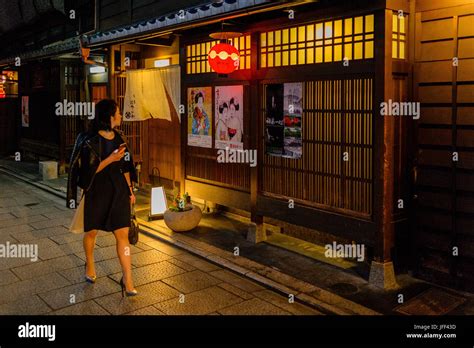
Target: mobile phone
x=121, y=146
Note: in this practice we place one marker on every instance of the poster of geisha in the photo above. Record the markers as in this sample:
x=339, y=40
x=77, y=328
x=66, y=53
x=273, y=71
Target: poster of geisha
x=200, y=116
x=229, y=117
x=292, y=115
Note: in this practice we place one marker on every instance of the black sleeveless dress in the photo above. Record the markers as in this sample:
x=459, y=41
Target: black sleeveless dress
x=107, y=203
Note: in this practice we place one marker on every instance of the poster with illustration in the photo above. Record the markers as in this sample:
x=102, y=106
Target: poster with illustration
x=292, y=114
x=25, y=111
x=200, y=116
x=274, y=126
x=229, y=117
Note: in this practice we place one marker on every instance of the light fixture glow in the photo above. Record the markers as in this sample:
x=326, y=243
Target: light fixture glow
x=158, y=204
x=160, y=63
x=97, y=69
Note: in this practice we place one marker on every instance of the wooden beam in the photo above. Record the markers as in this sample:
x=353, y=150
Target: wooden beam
x=384, y=139
x=220, y=195
x=453, y=264
x=111, y=72
x=427, y=5
x=184, y=117
x=254, y=117
x=362, y=231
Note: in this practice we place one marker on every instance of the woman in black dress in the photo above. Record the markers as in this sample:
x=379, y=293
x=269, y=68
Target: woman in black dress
x=109, y=190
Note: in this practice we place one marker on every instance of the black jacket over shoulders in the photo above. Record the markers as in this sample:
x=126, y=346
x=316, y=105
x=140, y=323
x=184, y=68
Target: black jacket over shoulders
x=85, y=160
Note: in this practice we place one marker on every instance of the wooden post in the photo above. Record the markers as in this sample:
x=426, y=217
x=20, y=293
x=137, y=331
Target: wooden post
x=256, y=231
x=111, y=85
x=382, y=273
x=184, y=118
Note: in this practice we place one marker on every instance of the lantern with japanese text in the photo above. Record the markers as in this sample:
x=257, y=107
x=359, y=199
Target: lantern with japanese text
x=223, y=58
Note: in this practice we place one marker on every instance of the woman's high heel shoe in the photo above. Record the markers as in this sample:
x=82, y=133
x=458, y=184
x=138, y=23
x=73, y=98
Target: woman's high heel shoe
x=89, y=279
x=128, y=293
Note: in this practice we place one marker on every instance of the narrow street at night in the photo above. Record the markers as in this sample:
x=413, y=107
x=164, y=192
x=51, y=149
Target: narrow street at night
x=275, y=172
x=163, y=273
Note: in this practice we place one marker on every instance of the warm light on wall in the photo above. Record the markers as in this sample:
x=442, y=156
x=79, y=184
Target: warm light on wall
x=319, y=42
x=160, y=63
x=398, y=36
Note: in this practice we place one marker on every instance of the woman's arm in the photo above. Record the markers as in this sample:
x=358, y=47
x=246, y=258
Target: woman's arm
x=103, y=164
x=129, y=183
x=113, y=157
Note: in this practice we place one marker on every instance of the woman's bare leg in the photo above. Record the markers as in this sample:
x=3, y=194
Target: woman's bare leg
x=89, y=244
x=124, y=254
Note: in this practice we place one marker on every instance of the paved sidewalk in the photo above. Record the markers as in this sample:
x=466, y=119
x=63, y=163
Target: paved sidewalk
x=323, y=286
x=170, y=280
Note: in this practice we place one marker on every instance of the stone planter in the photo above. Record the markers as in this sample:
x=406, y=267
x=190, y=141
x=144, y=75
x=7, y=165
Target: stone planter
x=184, y=220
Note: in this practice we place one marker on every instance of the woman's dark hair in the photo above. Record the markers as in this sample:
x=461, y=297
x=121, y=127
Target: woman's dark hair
x=222, y=107
x=232, y=102
x=103, y=111
x=197, y=96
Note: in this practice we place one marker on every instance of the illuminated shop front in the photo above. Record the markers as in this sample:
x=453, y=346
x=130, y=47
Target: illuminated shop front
x=295, y=138
x=336, y=166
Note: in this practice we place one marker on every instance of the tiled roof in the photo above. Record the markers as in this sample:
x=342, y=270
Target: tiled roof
x=168, y=21
x=178, y=18
x=57, y=48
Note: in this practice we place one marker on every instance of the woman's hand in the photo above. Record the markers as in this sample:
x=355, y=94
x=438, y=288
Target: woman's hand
x=116, y=155
x=133, y=199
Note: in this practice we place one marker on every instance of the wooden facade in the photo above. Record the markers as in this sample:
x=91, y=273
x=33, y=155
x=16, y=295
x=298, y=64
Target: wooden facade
x=444, y=84
x=368, y=199
x=330, y=194
x=47, y=83
x=9, y=125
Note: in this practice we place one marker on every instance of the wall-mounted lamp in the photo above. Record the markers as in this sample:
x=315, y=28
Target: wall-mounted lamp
x=160, y=63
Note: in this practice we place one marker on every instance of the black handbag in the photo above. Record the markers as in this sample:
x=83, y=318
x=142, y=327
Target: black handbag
x=134, y=230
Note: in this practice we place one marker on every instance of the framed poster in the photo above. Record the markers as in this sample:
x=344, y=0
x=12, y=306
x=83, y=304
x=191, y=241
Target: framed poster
x=25, y=111
x=284, y=111
x=292, y=113
x=200, y=116
x=229, y=117
x=274, y=127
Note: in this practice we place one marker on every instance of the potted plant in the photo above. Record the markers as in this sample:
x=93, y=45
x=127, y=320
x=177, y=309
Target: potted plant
x=182, y=216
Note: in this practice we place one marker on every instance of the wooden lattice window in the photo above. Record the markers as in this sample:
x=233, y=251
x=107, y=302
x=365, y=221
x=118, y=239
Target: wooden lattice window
x=196, y=55
x=335, y=171
x=322, y=42
x=398, y=36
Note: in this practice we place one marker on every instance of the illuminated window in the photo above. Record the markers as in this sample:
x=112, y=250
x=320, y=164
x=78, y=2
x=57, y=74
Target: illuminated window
x=196, y=54
x=322, y=42
x=399, y=31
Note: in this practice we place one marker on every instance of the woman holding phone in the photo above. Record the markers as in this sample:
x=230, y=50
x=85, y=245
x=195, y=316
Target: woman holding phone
x=102, y=166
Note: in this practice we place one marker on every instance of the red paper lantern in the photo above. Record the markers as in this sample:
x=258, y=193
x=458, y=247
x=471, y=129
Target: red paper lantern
x=224, y=58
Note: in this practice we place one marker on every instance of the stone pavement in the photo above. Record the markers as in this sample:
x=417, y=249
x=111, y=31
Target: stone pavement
x=328, y=288
x=170, y=280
